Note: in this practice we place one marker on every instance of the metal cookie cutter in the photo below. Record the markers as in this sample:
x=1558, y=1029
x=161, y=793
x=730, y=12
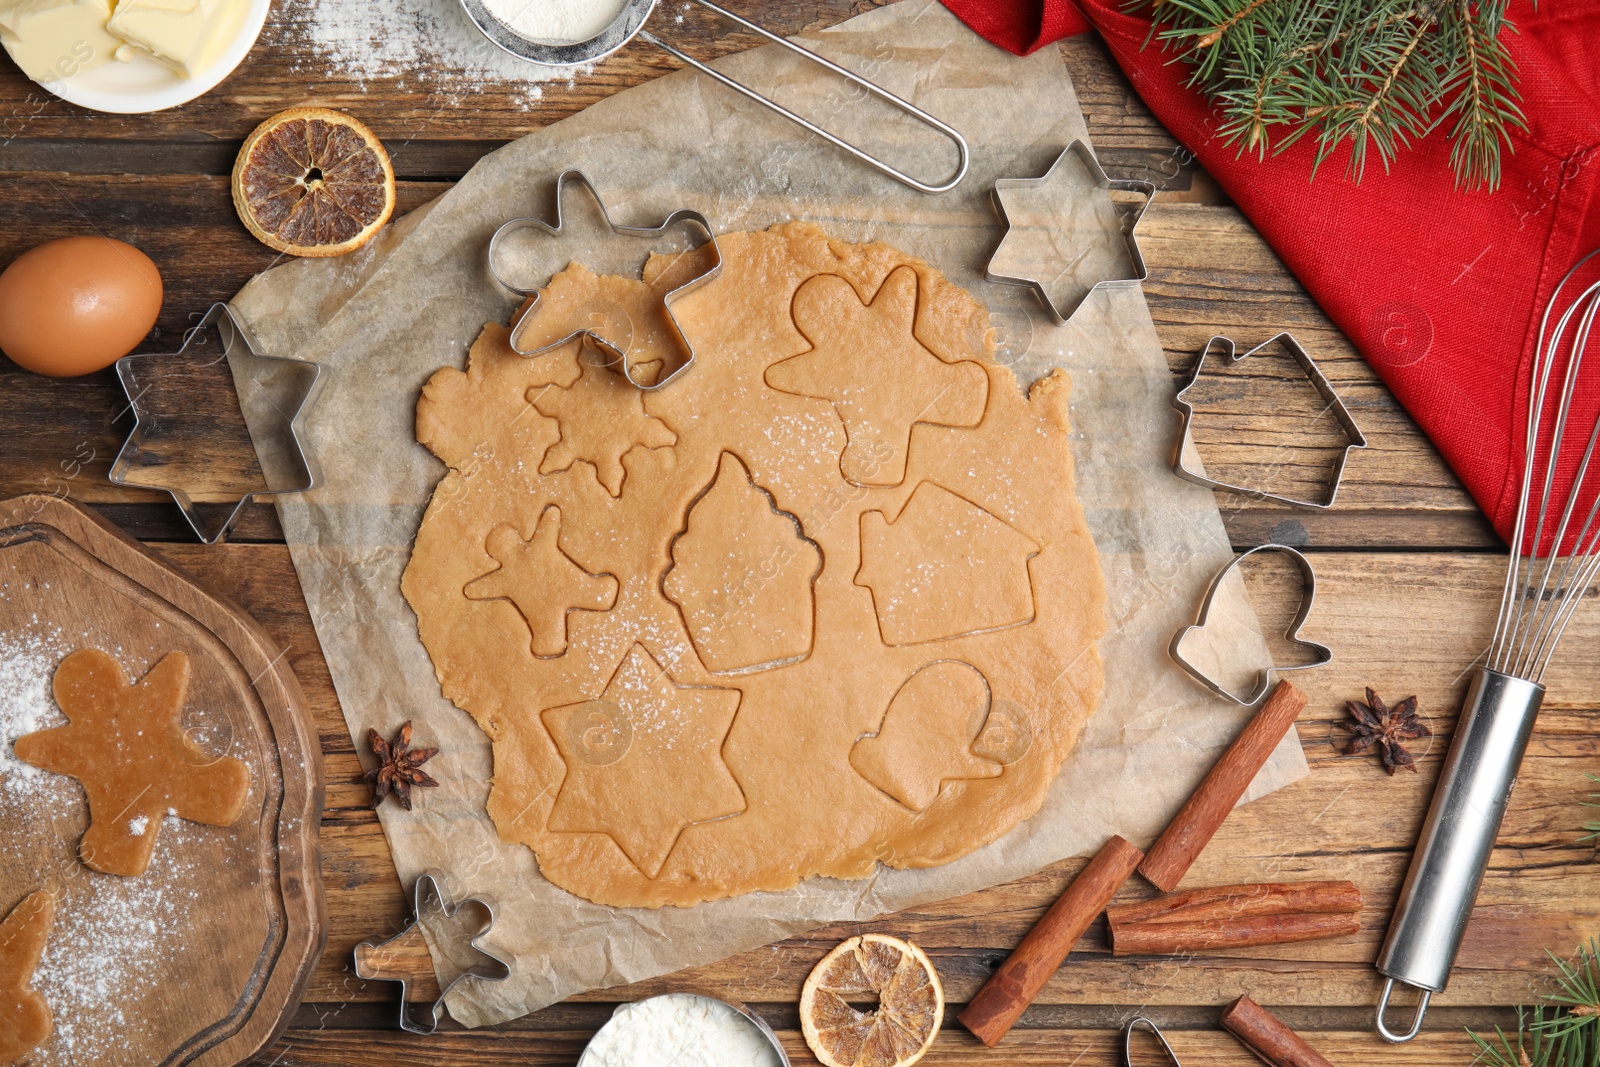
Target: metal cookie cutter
x=629, y=23
x=1264, y=677
x=1313, y=374
x=405, y=958
x=273, y=392
x=1061, y=294
x=1127, y=1040
x=594, y=334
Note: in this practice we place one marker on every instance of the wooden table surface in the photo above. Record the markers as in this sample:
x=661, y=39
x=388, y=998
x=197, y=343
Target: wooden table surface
x=1409, y=576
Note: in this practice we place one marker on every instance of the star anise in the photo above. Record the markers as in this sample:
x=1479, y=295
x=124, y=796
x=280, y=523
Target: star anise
x=1386, y=729
x=399, y=767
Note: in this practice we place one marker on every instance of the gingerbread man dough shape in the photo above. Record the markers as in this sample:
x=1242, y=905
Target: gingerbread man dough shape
x=24, y=1016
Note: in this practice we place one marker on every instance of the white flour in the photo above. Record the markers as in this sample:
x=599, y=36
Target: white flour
x=679, y=1030
x=556, y=20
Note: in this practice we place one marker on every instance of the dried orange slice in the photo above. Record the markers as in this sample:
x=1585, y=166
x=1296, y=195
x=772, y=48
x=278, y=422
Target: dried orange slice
x=311, y=181
x=837, y=1012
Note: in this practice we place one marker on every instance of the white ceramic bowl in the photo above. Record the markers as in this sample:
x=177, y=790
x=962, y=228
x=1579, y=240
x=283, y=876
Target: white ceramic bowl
x=142, y=85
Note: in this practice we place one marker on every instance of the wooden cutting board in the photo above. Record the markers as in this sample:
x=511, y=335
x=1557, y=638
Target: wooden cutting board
x=204, y=957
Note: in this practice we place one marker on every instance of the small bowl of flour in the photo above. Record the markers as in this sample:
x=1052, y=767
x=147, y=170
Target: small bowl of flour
x=683, y=1030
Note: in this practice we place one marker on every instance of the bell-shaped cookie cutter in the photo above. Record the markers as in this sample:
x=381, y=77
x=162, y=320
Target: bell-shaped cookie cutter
x=428, y=896
x=1313, y=373
x=592, y=334
x=1264, y=676
x=271, y=413
x=1130, y=222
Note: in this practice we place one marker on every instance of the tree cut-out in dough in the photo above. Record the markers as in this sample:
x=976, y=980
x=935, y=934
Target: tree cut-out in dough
x=927, y=735
x=544, y=583
x=602, y=419
x=125, y=743
x=944, y=568
x=644, y=760
x=742, y=575
x=866, y=360
x=25, y=1019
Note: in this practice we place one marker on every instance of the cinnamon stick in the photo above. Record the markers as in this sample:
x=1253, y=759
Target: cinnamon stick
x=1180, y=938
x=1181, y=842
x=1018, y=980
x=1268, y=1037
x=1234, y=901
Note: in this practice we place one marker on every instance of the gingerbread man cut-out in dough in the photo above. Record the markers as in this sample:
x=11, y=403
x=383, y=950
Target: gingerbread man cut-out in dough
x=866, y=360
x=543, y=582
x=644, y=760
x=944, y=568
x=125, y=743
x=602, y=419
x=25, y=1019
x=927, y=735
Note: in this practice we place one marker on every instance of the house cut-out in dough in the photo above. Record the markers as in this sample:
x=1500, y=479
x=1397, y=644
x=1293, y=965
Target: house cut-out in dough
x=927, y=735
x=866, y=360
x=544, y=583
x=742, y=575
x=944, y=568
x=644, y=760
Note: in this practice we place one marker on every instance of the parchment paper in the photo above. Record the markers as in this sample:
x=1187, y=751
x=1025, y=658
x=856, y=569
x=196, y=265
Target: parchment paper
x=384, y=320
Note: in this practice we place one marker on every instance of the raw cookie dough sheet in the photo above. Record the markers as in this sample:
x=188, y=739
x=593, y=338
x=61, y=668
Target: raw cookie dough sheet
x=385, y=321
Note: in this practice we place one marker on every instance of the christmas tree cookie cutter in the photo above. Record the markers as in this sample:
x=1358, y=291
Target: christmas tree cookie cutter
x=614, y=347
x=1016, y=260
x=407, y=959
x=1313, y=374
x=1323, y=655
x=273, y=392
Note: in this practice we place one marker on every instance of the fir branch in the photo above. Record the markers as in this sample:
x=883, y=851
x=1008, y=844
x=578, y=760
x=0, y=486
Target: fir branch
x=1564, y=1031
x=1375, y=75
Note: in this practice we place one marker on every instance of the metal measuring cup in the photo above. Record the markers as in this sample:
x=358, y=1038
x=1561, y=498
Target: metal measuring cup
x=629, y=24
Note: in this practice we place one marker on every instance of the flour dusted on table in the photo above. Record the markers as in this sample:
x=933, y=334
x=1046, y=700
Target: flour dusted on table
x=556, y=20
x=681, y=1029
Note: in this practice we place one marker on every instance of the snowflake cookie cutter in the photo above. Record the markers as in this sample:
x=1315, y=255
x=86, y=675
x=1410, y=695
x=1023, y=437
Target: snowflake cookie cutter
x=1308, y=595
x=1062, y=306
x=273, y=392
x=406, y=958
x=1313, y=374
x=597, y=335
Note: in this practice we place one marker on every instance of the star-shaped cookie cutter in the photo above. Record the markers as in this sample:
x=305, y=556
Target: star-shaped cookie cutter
x=409, y=952
x=594, y=334
x=1130, y=221
x=1308, y=595
x=273, y=392
x=1313, y=374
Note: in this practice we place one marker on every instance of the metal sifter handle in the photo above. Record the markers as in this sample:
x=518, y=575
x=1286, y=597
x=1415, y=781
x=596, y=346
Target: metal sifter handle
x=1457, y=837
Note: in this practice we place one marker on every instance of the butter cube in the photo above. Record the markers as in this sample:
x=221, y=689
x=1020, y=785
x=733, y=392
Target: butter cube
x=186, y=35
x=51, y=40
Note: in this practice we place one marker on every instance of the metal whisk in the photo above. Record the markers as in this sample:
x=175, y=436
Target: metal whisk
x=1555, y=556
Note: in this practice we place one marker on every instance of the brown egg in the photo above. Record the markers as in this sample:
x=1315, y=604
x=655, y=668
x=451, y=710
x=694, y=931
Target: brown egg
x=73, y=306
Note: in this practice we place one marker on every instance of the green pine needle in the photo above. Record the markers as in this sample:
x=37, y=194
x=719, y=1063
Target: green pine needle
x=1376, y=75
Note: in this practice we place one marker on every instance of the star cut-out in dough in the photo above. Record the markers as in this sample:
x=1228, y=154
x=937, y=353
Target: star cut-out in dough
x=25, y=1019
x=1062, y=238
x=867, y=361
x=544, y=583
x=596, y=427
x=125, y=743
x=644, y=760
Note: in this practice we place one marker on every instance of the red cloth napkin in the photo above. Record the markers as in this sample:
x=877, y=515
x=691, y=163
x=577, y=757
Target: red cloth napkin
x=1441, y=290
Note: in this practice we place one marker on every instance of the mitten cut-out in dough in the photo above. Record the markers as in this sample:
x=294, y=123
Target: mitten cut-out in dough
x=602, y=419
x=742, y=574
x=543, y=582
x=25, y=1019
x=125, y=743
x=927, y=735
x=945, y=567
x=644, y=760
x=866, y=360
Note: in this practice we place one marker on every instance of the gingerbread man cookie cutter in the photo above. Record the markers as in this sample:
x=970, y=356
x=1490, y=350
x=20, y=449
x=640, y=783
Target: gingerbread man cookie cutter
x=405, y=957
x=1323, y=654
x=597, y=335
